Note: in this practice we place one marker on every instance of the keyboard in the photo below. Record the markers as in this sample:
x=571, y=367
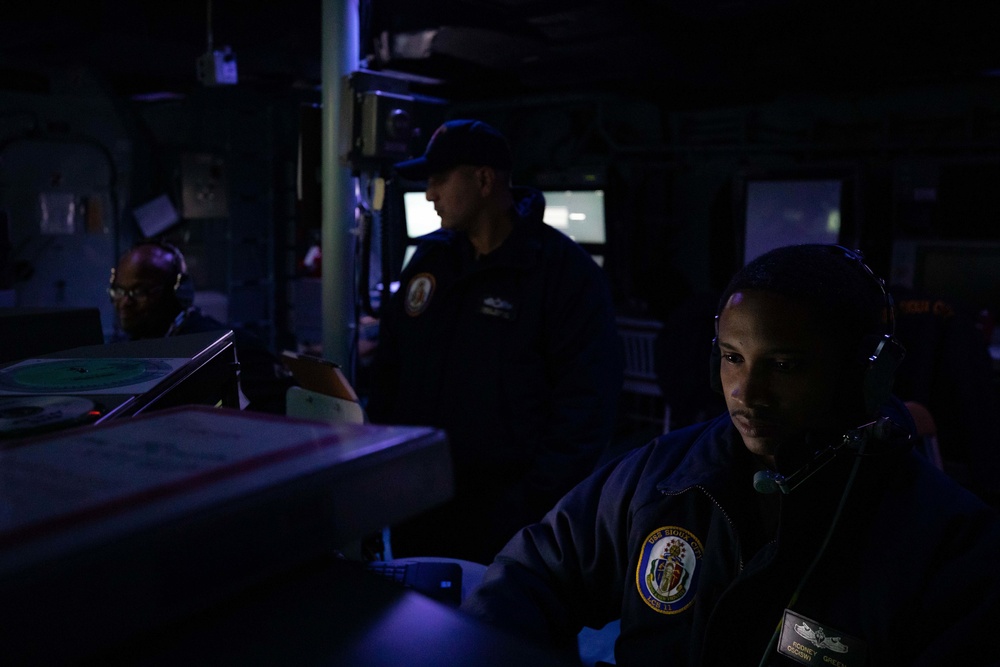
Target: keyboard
x=441, y=581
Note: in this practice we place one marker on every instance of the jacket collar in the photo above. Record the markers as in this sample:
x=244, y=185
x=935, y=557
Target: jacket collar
x=713, y=461
x=522, y=247
x=718, y=458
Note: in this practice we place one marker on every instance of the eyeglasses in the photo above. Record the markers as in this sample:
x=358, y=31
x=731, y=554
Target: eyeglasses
x=117, y=292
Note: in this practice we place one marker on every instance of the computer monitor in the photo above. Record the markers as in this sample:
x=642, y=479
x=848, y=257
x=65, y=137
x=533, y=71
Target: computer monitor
x=577, y=213
x=30, y=332
x=419, y=215
x=962, y=271
x=792, y=211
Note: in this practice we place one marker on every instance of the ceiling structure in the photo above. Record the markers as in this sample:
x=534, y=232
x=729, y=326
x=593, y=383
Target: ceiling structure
x=689, y=52
x=681, y=53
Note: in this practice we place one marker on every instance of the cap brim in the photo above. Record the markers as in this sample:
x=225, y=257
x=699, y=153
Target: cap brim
x=416, y=169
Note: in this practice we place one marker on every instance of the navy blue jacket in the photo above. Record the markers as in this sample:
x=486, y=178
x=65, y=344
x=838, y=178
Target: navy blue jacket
x=516, y=356
x=671, y=540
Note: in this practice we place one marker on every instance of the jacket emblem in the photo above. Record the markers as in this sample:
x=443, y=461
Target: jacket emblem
x=667, y=573
x=418, y=293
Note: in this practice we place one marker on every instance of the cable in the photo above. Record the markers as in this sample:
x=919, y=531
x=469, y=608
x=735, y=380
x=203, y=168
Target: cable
x=819, y=554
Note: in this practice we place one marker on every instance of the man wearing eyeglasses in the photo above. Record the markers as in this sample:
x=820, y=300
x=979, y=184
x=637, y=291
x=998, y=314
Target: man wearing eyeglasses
x=153, y=298
x=152, y=293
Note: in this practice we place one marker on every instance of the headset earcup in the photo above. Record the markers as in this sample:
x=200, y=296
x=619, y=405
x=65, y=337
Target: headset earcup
x=715, y=368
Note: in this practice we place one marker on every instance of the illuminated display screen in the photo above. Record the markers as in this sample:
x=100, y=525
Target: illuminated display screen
x=577, y=213
x=789, y=212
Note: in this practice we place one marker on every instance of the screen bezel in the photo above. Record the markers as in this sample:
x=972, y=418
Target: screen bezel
x=848, y=234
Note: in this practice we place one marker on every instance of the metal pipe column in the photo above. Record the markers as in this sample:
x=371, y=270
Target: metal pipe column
x=340, y=26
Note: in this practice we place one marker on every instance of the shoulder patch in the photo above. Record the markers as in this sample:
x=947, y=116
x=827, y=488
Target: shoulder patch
x=418, y=293
x=667, y=573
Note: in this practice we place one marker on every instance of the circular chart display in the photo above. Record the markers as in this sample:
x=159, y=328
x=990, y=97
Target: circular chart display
x=66, y=376
x=21, y=415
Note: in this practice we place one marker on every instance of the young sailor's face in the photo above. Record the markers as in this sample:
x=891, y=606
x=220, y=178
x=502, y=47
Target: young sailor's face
x=779, y=372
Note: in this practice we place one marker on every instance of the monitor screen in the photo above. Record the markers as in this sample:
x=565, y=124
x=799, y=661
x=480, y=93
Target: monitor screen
x=786, y=212
x=419, y=214
x=965, y=272
x=579, y=214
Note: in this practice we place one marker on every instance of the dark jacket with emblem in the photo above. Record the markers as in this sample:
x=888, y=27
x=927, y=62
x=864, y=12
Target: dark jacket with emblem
x=910, y=570
x=516, y=356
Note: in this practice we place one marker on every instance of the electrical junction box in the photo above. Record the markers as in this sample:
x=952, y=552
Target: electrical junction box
x=203, y=186
x=382, y=121
x=387, y=124
x=217, y=68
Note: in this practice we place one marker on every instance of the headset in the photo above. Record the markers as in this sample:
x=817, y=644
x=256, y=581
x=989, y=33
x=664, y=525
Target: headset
x=880, y=356
x=881, y=353
x=183, y=288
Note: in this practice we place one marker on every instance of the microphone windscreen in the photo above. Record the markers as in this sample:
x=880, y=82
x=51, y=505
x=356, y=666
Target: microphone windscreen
x=764, y=482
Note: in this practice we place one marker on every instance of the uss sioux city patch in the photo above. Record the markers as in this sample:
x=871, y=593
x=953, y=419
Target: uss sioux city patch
x=418, y=293
x=667, y=574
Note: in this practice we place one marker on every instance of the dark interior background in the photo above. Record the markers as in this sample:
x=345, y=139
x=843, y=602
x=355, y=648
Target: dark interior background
x=668, y=105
